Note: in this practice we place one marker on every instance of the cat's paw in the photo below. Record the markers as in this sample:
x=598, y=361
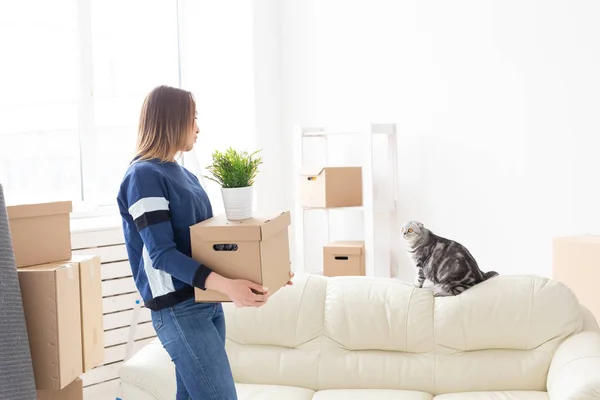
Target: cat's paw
x=441, y=294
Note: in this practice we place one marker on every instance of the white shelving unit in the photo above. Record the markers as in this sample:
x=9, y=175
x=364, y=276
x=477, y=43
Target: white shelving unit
x=380, y=196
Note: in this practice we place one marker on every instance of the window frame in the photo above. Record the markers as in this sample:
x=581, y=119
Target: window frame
x=88, y=205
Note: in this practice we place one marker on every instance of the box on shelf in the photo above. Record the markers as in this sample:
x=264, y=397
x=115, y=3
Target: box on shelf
x=344, y=258
x=92, y=320
x=51, y=302
x=41, y=233
x=258, y=251
x=576, y=263
x=72, y=392
x=331, y=187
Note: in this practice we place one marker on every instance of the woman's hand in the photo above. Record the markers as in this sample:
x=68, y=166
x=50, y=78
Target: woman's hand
x=241, y=292
x=290, y=283
x=244, y=293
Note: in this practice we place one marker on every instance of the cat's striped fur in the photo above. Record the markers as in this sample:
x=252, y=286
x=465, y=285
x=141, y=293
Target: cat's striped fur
x=445, y=263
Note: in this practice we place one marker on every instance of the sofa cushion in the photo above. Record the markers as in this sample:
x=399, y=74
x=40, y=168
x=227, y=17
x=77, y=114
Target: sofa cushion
x=272, y=392
x=501, y=334
x=377, y=334
x=510, y=395
x=371, y=394
x=152, y=372
x=151, y=369
x=278, y=343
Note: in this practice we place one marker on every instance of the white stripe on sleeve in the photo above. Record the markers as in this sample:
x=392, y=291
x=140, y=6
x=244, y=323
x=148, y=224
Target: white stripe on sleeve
x=148, y=204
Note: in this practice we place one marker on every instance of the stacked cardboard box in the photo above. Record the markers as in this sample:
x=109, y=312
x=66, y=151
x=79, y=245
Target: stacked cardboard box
x=255, y=249
x=576, y=263
x=344, y=258
x=331, y=187
x=72, y=392
x=62, y=299
x=334, y=187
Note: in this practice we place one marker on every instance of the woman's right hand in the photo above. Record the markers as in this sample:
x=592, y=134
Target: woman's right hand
x=244, y=293
x=240, y=291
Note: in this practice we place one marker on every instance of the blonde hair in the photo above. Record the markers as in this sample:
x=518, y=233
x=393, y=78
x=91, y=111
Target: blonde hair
x=166, y=118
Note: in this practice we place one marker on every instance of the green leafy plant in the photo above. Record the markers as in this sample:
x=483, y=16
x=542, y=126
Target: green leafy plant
x=233, y=169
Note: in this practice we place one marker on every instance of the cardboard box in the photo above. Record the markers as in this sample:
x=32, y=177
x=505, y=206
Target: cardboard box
x=331, y=187
x=92, y=319
x=41, y=233
x=576, y=263
x=344, y=258
x=258, y=251
x=72, y=392
x=51, y=303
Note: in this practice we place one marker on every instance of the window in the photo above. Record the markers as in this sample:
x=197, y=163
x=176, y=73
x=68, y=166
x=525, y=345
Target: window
x=72, y=80
x=133, y=50
x=73, y=76
x=39, y=134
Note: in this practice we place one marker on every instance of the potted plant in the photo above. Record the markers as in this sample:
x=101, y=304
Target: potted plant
x=235, y=172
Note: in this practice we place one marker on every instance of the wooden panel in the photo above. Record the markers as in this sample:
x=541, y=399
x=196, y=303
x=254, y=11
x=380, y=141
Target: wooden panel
x=105, y=237
x=120, y=302
x=118, y=269
x=102, y=374
x=106, y=253
x=102, y=391
x=119, y=295
x=114, y=287
x=123, y=318
x=119, y=336
x=117, y=353
x=110, y=369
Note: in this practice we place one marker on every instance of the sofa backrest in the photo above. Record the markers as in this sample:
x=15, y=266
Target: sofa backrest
x=502, y=334
x=359, y=332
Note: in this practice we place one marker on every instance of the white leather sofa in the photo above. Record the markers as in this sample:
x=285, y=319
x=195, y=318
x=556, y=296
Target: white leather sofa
x=512, y=337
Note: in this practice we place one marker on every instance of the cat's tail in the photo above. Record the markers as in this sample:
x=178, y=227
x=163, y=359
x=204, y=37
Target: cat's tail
x=489, y=274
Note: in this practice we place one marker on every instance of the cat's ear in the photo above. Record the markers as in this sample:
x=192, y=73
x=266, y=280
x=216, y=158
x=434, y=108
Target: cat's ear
x=420, y=225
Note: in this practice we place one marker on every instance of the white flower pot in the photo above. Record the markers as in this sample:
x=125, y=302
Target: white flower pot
x=238, y=202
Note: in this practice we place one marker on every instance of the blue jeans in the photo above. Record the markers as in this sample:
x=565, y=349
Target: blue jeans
x=194, y=336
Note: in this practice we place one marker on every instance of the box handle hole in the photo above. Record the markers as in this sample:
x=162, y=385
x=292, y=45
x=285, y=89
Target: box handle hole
x=341, y=257
x=225, y=247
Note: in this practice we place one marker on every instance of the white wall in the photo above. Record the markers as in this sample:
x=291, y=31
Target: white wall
x=232, y=63
x=218, y=67
x=497, y=104
x=268, y=105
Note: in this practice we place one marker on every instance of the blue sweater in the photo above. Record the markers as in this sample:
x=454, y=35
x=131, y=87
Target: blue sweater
x=158, y=202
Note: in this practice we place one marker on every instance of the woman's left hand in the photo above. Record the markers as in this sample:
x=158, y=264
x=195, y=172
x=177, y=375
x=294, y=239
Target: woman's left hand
x=290, y=281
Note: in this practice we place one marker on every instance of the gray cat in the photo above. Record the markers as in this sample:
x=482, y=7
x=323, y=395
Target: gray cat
x=445, y=263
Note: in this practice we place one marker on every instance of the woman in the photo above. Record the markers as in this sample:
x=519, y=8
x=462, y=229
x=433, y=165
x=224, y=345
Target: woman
x=159, y=200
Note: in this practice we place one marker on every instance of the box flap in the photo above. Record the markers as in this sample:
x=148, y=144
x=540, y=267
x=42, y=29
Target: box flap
x=275, y=225
x=39, y=209
x=220, y=229
x=586, y=238
x=312, y=171
x=345, y=248
x=49, y=267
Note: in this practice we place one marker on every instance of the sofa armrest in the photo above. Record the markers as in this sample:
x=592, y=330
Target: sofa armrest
x=575, y=368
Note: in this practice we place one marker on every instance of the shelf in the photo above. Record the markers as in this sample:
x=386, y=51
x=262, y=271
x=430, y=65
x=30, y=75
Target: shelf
x=333, y=208
x=379, y=208
x=340, y=133
x=390, y=208
x=92, y=224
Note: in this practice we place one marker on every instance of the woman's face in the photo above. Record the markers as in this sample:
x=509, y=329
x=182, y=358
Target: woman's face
x=192, y=136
